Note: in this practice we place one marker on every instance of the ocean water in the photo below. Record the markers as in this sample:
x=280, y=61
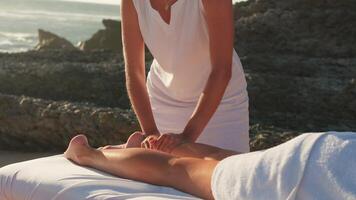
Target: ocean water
x=75, y=21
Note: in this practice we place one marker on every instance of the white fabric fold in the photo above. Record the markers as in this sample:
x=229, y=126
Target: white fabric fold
x=291, y=170
x=56, y=178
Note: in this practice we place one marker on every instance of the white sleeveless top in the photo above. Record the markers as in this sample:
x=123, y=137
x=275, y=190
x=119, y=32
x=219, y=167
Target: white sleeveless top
x=182, y=63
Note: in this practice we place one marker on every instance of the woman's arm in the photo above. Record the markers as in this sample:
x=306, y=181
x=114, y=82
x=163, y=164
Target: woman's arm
x=219, y=17
x=134, y=55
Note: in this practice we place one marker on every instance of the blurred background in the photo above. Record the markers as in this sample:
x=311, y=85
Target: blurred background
x=62, y=72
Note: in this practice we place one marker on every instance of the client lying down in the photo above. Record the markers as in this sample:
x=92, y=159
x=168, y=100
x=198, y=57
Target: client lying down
x=311, y=166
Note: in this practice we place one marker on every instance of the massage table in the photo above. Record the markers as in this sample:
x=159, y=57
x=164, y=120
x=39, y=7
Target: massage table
x=313, y=166
x=56, y=178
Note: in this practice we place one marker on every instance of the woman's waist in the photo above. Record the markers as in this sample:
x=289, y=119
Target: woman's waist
x=188, y=89
x=165, y=101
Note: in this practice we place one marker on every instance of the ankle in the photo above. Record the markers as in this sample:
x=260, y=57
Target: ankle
x=85, y=157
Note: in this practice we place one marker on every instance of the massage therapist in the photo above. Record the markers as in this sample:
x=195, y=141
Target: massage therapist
x=195, y=90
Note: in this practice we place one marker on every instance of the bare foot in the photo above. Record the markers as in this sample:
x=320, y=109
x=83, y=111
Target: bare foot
x=133, y=141
x=78, y=150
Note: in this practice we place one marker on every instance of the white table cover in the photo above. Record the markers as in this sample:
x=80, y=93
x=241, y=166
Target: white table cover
x=56, y=178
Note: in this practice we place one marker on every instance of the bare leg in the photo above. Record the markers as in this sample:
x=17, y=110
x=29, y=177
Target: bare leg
x=194, y=150
x=202, y=151
x=145, y=165
x=134, y=140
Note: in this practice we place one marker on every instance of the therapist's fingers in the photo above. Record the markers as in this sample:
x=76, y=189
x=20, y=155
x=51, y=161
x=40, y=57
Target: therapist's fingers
x=165, y=142
x=159, y=141
x=144, y=144
x=153, y=144
x=147, y=145
x=162, y=140
x=170, y=144
x=152, y=141
x=176, y=143
x=176, y=140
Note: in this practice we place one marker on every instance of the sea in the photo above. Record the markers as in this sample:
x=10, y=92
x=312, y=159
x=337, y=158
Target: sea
x=74, y=20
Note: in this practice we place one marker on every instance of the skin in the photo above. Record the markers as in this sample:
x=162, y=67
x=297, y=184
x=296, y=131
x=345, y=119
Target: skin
x=188, y=168
x=134, y=55
x=219, y=17
x=134, y=140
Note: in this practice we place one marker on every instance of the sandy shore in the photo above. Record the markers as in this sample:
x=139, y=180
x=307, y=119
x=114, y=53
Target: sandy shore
x=9, y=157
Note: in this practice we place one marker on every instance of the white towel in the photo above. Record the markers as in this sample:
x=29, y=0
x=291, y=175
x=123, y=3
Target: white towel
x=56, y=178
x=331, y=170
x=311, y=166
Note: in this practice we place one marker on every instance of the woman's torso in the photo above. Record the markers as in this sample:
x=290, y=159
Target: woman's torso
x=182, y=63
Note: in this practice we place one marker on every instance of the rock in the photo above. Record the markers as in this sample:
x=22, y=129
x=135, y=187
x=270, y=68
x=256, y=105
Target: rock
x=97, y=77
x=35, y=124
x=264, y=137
x=50, y=41
x=300, y=61
x=300, y=93
x=345, y=101
x=40, y=125
x=319, y=28
x=105, y=39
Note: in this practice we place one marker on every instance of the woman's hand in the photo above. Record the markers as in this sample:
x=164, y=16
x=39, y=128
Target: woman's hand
x=149, y=141
x=168, y=142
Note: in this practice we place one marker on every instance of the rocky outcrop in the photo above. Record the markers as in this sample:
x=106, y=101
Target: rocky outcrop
x=107, y=39
x=300, y=61
x=264, y=137
x=313, y=28
x=34, y=124
x=96, y=77
x=104, y=39
x=50, y=41
x=292, y=93
x=301, y=93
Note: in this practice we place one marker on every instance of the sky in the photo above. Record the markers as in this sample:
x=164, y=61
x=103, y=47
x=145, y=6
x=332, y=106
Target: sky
x=110, y=2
